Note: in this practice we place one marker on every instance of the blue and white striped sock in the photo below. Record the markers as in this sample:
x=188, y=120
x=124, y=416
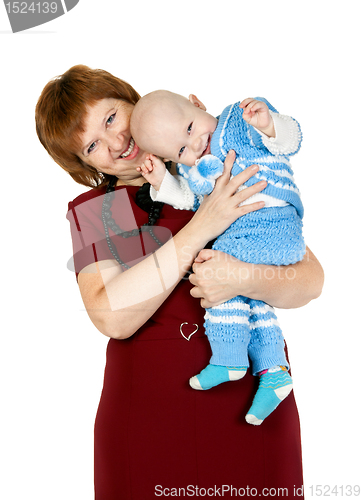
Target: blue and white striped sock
x=214, y=375
x=274, y=386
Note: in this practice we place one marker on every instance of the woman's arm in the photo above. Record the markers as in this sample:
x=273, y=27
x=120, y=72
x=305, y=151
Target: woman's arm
x=118, y=303
x=218, y=277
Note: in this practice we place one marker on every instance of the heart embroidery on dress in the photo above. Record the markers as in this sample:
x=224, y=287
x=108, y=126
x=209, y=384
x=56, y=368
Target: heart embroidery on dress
x=191, y=334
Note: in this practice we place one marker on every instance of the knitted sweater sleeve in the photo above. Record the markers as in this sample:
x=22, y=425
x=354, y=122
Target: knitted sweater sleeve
x=288, y=135
x=175, y=191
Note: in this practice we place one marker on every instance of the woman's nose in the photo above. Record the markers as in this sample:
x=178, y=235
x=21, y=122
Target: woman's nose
x=116, y=141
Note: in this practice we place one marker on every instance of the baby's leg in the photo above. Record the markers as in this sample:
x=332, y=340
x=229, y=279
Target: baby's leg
x=227, y=328
x=266, y=346
x=266, y=351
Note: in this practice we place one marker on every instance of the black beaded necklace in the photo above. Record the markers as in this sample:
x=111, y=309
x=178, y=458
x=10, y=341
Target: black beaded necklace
x=144, y=201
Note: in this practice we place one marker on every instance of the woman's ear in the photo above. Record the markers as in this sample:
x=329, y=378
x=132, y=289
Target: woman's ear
x=196, y=102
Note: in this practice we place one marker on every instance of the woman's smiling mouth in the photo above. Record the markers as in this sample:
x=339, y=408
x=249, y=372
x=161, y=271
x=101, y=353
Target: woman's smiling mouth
x=131, y=152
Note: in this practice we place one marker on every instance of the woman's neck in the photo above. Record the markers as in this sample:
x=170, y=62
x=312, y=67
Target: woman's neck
x=137, y=181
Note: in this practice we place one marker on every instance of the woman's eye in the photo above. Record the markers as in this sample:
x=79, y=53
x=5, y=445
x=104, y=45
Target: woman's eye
x=111, y=119
x=91, y=147
x=189, y=128
x=181, y=150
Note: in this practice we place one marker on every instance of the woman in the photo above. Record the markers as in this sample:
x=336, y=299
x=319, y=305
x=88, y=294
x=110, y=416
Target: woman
x=154, y=435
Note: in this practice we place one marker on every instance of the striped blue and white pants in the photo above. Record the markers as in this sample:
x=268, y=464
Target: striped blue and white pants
x=243, y=328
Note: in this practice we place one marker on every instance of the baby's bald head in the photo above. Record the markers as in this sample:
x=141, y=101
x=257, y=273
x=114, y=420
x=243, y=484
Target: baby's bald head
x=153, y=116
x=172, y=127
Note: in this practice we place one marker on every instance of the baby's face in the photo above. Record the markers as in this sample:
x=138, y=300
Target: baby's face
x=181, y=132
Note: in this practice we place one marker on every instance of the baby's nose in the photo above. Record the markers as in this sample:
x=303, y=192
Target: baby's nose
x=196, y=145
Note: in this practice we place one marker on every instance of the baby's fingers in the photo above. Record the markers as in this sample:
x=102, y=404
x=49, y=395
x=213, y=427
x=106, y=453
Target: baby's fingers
x=144, y=169
x=148, y=165
x=245, y=102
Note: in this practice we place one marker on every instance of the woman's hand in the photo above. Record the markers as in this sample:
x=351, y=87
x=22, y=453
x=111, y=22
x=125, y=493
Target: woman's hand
x=219, y=277
x=221, y=208
x=215, y=279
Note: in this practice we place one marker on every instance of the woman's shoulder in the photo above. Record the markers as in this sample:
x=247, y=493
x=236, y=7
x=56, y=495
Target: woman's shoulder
x=96, y=192
x=86, y=196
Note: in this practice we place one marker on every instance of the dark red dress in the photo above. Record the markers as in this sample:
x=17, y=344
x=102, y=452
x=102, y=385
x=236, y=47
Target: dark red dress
x=155, y=436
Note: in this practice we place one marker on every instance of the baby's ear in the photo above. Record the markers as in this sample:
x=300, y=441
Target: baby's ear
x=196, y=102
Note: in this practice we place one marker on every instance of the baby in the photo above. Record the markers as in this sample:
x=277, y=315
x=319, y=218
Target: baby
x=179, y=129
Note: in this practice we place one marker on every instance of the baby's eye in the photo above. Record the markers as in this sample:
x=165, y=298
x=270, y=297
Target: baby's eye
x=111, y=119
x=181, y=150
x=189, y=128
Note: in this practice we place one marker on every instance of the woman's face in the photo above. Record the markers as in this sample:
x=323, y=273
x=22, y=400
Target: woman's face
x=107, y=144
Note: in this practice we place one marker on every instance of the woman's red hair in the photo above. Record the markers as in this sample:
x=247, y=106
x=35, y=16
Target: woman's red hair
x=60, y=113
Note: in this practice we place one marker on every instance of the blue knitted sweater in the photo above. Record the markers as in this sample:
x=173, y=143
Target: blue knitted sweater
x=233, y=132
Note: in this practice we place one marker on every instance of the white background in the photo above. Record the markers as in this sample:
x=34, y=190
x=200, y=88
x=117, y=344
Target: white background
x=305, y=58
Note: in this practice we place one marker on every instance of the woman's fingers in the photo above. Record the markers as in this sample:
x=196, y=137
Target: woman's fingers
x=252, y=207
x=204, y=254
x=246, y=193
x=242, y=195
x=228, y=165
x=244, y=176
x=229, y=160
x=222, y=207
x=234, y=183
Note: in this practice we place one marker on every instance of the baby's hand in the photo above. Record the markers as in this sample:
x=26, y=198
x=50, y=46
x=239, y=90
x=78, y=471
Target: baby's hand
x=153, y=170
x=256, y=113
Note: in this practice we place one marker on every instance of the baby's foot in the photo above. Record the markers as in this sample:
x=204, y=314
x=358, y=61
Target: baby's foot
x=273, y=388
x=214, y=375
